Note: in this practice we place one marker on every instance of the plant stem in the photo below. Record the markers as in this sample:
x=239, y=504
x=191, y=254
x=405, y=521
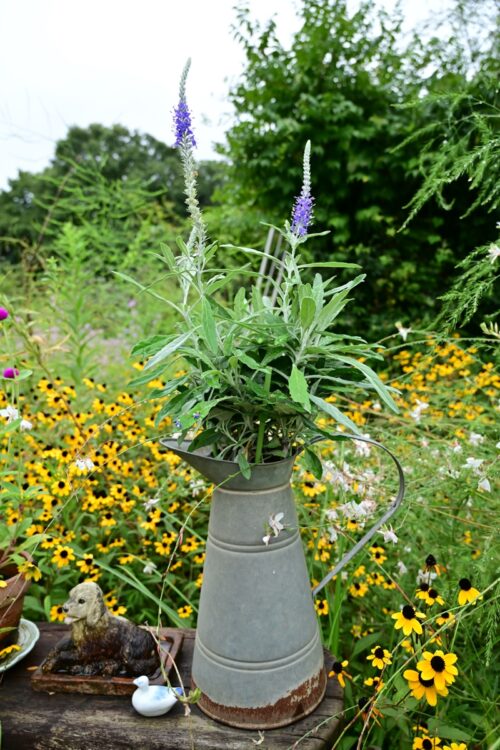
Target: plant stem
x=262, y=424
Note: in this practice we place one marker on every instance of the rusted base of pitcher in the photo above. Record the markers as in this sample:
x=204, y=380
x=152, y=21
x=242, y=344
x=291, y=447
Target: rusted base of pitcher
x=294, y=706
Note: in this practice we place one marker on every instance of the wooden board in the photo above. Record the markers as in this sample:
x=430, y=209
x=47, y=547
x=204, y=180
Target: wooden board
x=170, y=644
x=40, y=721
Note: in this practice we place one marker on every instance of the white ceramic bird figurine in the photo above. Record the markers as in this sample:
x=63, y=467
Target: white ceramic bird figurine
x=153, y=700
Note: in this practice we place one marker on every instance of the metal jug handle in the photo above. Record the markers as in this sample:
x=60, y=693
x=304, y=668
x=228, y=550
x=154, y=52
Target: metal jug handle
x=390, y=512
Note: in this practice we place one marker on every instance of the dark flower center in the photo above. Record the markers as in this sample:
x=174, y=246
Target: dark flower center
x=357, y=585
x=433, y=593
x=445, y=615
x=337, y=667
x=60, y=485
x=408, y=612
x=64, y=553
x=427, y=744
x=379, y=653
x=430, y=561
x=465, y=584
x=438, y=664
x=424, y=587
x=425, y=683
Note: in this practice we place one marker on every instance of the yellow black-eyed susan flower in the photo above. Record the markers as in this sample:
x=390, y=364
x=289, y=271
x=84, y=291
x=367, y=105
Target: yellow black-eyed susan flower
x=407, y=620
x=432, y=564
x=375, y=682
x=321, y=607
x=426, y=743
x=117, y=609
x=467, y=593
x=338, y=671
x=421, y=688
x=445, y=618
x=30, y=570
x=62, y=556
x=185, y=611
x=455, y=746
x=439, y=666
x=57, y=613
x=379, y=657
x=358, y=589
x=378, y=554
x=431, y=596
x=86, y=564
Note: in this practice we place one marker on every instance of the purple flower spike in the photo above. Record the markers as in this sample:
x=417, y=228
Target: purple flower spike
x=4, y=314
x=302, y=214
x=182, y=123
x=11, y=373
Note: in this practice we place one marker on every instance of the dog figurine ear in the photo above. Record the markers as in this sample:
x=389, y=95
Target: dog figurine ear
x=97, y=611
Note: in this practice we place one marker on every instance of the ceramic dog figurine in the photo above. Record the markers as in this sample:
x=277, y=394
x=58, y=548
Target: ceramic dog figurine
x=100, y=643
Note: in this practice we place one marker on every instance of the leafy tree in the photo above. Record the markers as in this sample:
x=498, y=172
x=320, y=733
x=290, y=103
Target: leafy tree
x=340, y=84
x=106, y=177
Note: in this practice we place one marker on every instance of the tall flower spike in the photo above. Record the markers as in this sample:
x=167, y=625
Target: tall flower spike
x=185, y=142
x=302, y=214
x=182, y=115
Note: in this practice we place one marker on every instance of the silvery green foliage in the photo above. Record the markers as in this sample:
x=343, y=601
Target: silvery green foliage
x=259, y=370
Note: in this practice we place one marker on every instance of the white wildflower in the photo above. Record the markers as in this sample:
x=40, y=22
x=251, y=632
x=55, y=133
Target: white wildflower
x=377, y=406
x=26, y=425
x=484, y=484
x=403, y=332
x=424, y=443
x=149, y=568
x=332, y=514
x=475, y=439
x=456, y=447
x=473, y=463
x=275, y=523
x=416, y=412
x=425, y=576
x=362, y=448
x=494, y=252
x=333, y=534
x=151, y=503
x=266, y=539
x=84, y=464
x=10, y=413
x=402, y=569
x=389, y=534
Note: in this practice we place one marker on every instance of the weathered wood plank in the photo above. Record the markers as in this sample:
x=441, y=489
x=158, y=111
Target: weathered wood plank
x=40, y=721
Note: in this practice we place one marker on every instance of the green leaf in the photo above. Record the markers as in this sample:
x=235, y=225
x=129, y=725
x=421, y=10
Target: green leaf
x=297, y=386
x=329, y=264
x=148, y=347
x=335, y=413
x=312, y=463
x=244, y=465
x=167, y=350
x=374, y=380
x=207, y=437
x=248, y=361
x=307, y=311
x=364, y=643
x=208, y=326
x=445, y=730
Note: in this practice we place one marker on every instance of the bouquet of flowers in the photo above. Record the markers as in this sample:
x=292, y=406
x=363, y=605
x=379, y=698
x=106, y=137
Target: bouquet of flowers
x=259, y=369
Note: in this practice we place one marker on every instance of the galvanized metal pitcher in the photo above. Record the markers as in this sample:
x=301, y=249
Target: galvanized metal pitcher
x=258, y=658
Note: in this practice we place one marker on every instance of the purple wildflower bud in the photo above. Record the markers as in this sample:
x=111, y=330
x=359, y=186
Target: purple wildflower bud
x=177, y=423
x=196, y=415
x=4, y=314
x=182, y=124
x=10, y=372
